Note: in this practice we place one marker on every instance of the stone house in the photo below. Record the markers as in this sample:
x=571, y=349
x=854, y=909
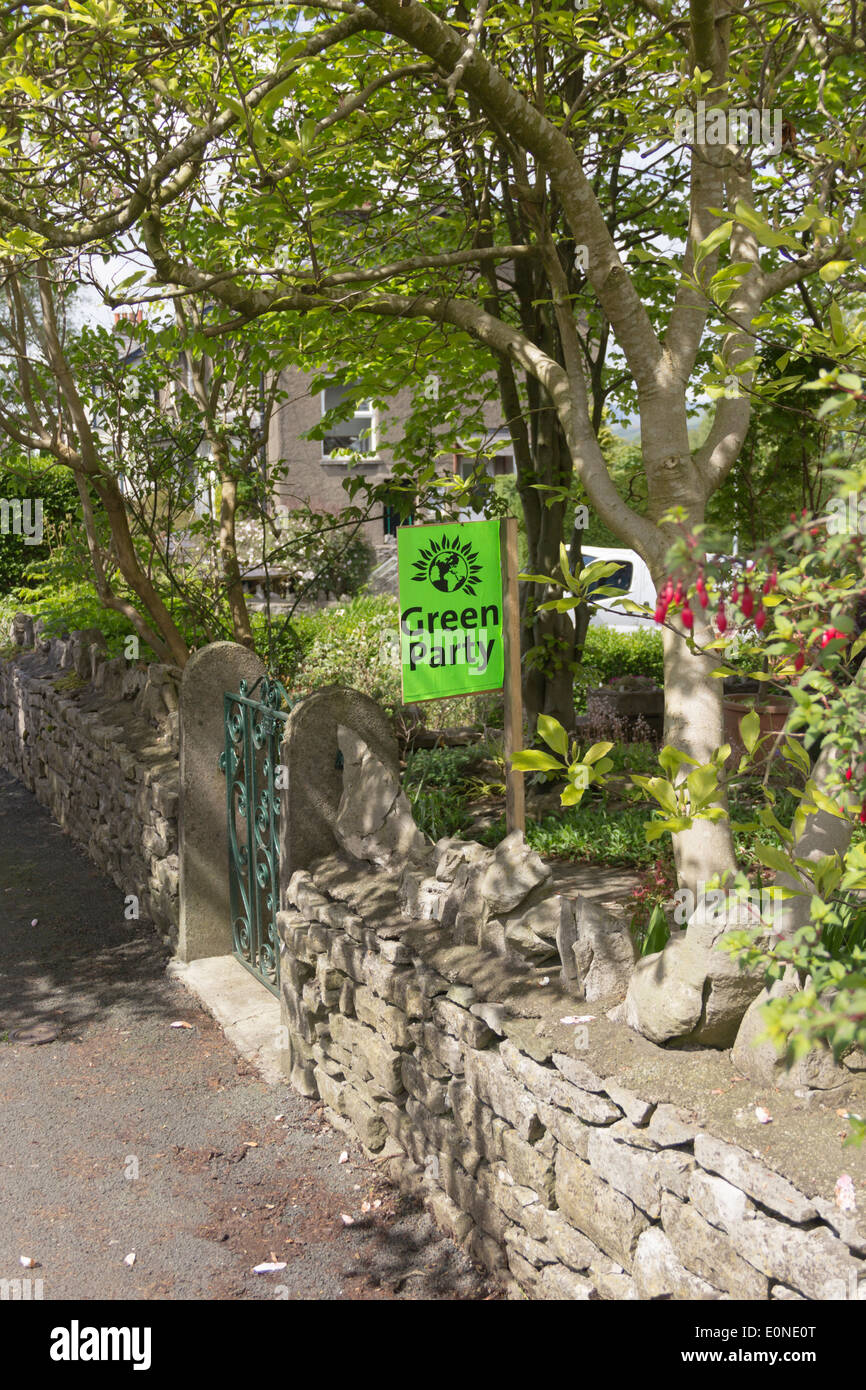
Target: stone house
x=314, y=469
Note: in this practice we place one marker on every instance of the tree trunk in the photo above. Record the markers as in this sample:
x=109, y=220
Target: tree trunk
x=548, y=680
x=229, y=564
x=128, y=564
x=694, y=723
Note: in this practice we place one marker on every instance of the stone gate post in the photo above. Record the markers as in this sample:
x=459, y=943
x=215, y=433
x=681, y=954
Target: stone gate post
x=205, y=911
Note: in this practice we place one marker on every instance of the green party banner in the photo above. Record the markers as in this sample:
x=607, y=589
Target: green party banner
x=450, y=609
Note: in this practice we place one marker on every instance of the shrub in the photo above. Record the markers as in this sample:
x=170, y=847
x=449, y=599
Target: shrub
x=609, y=653
x=628, y=683
x=357, y=644
x=318, y=558
x=439, y=767
x=55, y=488
x=438, y=812
x=354, y=644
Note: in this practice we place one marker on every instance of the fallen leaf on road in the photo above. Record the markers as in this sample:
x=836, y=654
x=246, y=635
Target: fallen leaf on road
x=269, y=1267
x=347, y=1220
x=129, y=1259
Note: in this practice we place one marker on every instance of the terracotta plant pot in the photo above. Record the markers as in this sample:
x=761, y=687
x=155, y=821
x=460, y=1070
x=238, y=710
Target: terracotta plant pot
x=773, y=714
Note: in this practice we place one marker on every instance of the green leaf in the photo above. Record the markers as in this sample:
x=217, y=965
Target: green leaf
x=571, y=795
x=657, y=934
x=702, y=783
x=664, y=794
x=553, y=734
x=795, y=753
x=714, y=240
x=826, y=804
x=832, y=270
x=597, y=751
x=530, y=760
x=672, y=759
x=750, y=728
x=773, y=858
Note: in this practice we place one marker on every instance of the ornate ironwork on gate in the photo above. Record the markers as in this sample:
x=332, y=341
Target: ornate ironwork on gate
x=254, y=721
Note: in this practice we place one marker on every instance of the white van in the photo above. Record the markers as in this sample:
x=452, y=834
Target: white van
x=633, y=578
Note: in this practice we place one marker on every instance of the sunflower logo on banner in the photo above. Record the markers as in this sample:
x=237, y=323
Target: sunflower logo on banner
x=448, y=566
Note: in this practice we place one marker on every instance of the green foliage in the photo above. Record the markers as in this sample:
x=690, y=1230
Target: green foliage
x=609, y=652
x=436, y=785
x=649, y=924
x=657, y=933
x=352, y=644
x=438, y=812
x=440, y=767
x=813, y=606
x=318, y=556
x=357, y=644
x=589, y=832
x=20, y=563
x=65, y=607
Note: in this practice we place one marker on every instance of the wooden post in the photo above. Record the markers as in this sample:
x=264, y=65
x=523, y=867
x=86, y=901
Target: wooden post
x=515, y=809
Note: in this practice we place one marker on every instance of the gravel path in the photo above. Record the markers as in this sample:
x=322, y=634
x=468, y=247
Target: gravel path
x=124, y=1134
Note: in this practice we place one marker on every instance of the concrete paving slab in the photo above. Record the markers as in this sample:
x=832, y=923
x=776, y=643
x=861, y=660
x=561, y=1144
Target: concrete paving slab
x=247, y=1012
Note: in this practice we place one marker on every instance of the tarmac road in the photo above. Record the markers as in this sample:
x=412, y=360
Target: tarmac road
x=124, y=1134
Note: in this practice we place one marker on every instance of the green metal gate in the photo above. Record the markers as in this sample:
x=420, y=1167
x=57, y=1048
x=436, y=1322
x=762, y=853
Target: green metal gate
x=254, y=723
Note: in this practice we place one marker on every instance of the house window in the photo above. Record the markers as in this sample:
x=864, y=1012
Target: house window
x=497, y=467
x=391, y=520
x=357, y=434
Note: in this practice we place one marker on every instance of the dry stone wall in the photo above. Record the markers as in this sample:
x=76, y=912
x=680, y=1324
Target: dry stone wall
x=96, y=740
x=555, y=1167
x=571, y=1156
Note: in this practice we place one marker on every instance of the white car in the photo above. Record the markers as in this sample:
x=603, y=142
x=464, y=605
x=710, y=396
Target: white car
x=633, y=578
